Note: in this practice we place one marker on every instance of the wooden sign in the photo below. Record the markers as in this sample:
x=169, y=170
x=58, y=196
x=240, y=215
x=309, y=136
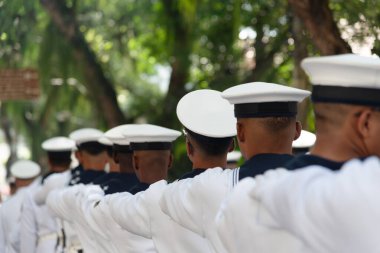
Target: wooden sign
x=19, y=84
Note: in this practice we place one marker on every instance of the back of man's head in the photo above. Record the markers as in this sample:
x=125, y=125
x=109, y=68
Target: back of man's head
x=346, y=97
x=59, y=160
x=209, y=146
x=266, y=117
x=92, y=155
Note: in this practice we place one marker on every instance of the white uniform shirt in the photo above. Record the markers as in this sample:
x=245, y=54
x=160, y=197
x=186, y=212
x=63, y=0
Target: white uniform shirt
x=150, y=222
x=193, y=203
x=66, y=204
x=39, y=230
x=99, y=217
x=244, y=226
x=329, y=211
x=10, y=214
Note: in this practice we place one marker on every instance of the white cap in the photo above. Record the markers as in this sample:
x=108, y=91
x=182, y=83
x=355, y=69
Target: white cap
x=259, y=99
x=346, y=78
x=233, y=156
x=306, y=140
x=105, y=141
x=86, y=135
x=151, y=137
x=116, y=134
x=206, y=113
x=25, y=169
x=57, y=144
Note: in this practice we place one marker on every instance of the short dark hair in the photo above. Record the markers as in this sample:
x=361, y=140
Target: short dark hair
x=276, y=124
x=59, y=158
x=92, y=147
x=210, y=145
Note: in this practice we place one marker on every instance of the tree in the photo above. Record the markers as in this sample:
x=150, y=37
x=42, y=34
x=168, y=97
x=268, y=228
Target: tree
x=319, y=21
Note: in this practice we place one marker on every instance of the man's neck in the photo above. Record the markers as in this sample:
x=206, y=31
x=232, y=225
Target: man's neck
x=126, y=169
x=59, y=168
x=336, y=148
x=151, y=178
x=210, y=162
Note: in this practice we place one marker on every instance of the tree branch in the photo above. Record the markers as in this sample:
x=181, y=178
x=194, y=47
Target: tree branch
x=319, y=21
x=97, y=84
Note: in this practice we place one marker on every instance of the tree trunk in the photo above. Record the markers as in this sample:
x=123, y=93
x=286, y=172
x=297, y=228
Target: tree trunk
x=180, y=62
x=319, y=21
x=98, y=85
x=299, y=77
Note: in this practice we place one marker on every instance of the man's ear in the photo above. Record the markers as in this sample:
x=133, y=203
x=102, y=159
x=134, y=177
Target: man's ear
x=135, y=162
x=298, y=130
x=363, y=123
x=170, y=164
x=232, y=145
x=189, y=148
x=115, y=156
x=240, y=132
x=78, y=155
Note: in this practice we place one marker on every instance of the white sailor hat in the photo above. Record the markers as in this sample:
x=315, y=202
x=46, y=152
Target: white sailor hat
x=305, y=141
x=151, y=137
x=233, y=156
x=347, y=78
x=206, y=113
x=25, y=169
x=116, y=136
x=105, y=141
x=259, y=99
x=58, y=144
x=84, y=135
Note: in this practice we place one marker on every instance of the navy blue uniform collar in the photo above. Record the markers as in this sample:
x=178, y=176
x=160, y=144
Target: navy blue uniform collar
x=302, y=161
x=195, y=172
x=122, y=182
x=260, y=163
x=139, y=187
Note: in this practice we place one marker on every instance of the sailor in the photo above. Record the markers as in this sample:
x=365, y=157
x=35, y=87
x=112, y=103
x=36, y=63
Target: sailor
x=125, y=178
x=90, y=153
x=39, y=230
x=266, y=126
x=210, y=127
x=154, y=160
x=304, y=143
x=24, y=172
x=92, y=158
x=346, y=98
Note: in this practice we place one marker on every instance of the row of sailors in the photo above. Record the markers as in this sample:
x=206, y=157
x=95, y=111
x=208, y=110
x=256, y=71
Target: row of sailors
x=275, y=202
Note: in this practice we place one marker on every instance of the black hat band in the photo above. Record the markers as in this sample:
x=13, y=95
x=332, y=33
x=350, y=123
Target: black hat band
x=267, y=109
x=151, y=145
x=122, y=148
x=346, y=95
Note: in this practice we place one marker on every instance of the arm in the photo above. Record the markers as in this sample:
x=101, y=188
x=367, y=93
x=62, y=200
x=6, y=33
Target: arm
x=2, y=232
x=193, y=203
x=29, y=229
x=132, y=212
x=326, y=209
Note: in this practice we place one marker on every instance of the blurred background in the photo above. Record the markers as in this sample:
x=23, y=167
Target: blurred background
x=67, y=64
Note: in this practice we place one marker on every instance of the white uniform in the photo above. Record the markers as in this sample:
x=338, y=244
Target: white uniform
x=329, y=211
x=193, y=203
x=99, y=218
x=10, y=214
x=65, y=205
x=39, y=231
x=140, y=214
x=246, y=227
